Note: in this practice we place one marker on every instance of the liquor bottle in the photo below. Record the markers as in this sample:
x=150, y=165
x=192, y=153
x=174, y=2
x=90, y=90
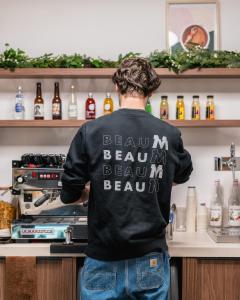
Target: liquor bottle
x=164, y=109
x=72, y=106
x=210, y=108
x=90, y=107
x=234, y=206
x=148, y=107
x=196, y=108
x=56, y=104
x=180, y=108
x=108, y=104
x=39, y=104
x=216, y=207
x=19, y=105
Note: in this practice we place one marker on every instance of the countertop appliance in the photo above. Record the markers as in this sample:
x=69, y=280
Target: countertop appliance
x=36, y=181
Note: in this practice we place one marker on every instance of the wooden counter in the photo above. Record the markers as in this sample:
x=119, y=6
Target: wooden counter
x=208, y=271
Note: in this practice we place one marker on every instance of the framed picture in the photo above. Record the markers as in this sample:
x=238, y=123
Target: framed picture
x=192, y=23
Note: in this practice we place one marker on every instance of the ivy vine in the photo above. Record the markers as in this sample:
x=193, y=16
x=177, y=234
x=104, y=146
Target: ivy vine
x=178, y=62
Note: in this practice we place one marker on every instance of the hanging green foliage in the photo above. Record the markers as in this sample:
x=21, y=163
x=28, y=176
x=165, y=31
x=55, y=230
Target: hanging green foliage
x=178, y=62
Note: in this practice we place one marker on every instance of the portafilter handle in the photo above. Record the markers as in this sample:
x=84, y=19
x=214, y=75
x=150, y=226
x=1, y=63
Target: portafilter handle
x=41, y=200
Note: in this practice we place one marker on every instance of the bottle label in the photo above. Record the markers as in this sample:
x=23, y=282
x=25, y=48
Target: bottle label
x=180, y=113
x=72, y=111
x=91, y=107
x=234, y=215
x=38, y=110
x=216, y=216
x=164, y=114
x=210, y=112
x=107, y=107
x=56, y=109
x=18, y=107
x=195, y=113
x=90, y=112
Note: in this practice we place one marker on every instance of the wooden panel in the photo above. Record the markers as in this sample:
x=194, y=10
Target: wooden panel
x=211, y=279
x=2, y=279
x=232, y=279
x=190, y=283
x=56, y=279
x=20, y=277
x=78, y=123
x=108, y=72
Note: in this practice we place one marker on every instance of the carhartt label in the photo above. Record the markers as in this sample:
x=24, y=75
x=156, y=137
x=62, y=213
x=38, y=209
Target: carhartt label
x=153, y=263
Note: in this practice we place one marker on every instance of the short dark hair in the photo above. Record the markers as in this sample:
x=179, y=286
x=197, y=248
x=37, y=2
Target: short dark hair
x=136, y=75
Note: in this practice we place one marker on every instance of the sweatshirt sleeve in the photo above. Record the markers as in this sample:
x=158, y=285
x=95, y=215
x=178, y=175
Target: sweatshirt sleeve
x=75, y=173
x=184, y=166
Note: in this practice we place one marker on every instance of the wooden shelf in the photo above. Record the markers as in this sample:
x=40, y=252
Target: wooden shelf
x=108, y=72
x=78, y=123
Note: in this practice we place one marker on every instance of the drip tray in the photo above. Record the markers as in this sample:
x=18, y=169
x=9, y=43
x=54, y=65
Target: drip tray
x=225, y=235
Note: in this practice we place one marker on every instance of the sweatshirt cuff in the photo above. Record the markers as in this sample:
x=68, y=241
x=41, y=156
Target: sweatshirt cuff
x=69, y=197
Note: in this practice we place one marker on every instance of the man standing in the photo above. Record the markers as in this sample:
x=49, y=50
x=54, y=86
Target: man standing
x=131, y=159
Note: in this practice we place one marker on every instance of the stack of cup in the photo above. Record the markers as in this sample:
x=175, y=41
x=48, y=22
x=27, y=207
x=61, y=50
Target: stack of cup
x=191, y=209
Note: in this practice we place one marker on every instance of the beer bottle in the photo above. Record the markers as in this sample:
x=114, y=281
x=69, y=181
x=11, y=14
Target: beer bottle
x=39, y=104
x=56, y=104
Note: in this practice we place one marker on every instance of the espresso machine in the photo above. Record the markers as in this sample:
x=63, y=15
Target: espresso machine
x=36, y=183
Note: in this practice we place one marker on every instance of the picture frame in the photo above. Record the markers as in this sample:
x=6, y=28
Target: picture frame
x=191, y=23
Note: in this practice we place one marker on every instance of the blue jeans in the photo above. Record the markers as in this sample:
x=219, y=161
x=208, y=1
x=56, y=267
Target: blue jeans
x=142, y=278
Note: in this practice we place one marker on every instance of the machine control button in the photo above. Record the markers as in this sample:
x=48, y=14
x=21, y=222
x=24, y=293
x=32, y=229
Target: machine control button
x=20, y=179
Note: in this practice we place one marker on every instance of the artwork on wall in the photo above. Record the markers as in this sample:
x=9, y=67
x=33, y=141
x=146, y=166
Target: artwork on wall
x=192, y=23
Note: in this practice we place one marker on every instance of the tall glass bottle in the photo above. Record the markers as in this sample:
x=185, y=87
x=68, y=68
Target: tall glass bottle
x=148, y=107
x=90, y=107
x=19, y=105
x=72, y=106
x=180, y=108
x=210, y=108
x=56, y=104
x=234, y=205
x=108, y=104
x=39, y=104
x=216, y=208
x=196, y=108
x=164, y=109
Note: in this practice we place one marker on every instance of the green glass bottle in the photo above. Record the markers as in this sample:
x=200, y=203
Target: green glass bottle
x=148, y=107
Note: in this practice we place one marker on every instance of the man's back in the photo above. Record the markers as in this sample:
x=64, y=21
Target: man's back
x=131, y=159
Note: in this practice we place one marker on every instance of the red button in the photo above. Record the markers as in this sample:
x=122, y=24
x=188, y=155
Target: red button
x=34, y=174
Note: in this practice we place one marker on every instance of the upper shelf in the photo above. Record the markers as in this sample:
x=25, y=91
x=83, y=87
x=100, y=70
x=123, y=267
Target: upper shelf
x=78, y=123
x=108, y=72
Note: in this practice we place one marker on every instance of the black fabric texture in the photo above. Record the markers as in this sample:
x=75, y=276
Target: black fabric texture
x=131, y=159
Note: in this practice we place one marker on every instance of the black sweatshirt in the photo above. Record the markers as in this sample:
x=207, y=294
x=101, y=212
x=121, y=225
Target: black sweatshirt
x=131, y=159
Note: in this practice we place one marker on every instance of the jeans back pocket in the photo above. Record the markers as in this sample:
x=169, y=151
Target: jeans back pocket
x=99, y=275
x=150, y=271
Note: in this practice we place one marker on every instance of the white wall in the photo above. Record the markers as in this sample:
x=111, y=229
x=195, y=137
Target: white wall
x=106, y=28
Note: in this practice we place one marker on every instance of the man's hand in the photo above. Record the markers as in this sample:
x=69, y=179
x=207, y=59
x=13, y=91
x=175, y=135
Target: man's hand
x=85, y=195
